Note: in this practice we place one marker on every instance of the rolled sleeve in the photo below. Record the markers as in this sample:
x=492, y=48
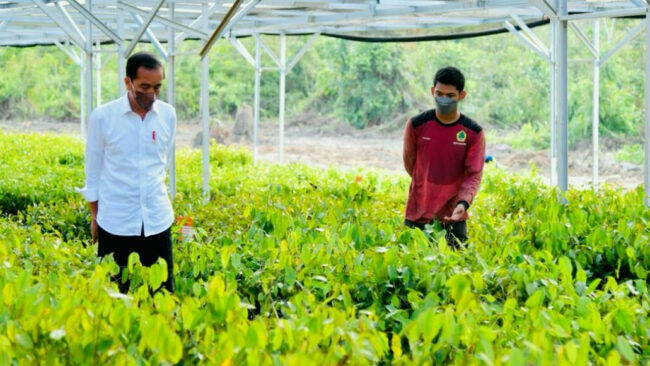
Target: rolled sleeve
x=91, y=195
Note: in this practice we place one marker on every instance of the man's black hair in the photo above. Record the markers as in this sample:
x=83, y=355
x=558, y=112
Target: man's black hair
x=451, y=76
x=141, y=59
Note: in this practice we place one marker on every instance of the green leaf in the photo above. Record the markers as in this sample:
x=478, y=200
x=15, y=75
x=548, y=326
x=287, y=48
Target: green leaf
x=24, y=340
x=565, y=266
x=623, y=346
x=571, y=351
x=431, y=324
x=392, y=272
x=535, y=300
x=134, y=258
x=235, y=260
x=592, y=286
x=623, y=320
x=516, y=358
x=290, y=276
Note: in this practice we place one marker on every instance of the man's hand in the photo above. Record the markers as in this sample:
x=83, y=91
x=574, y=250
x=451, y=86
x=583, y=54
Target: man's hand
x=458, y=213
x=94, y=231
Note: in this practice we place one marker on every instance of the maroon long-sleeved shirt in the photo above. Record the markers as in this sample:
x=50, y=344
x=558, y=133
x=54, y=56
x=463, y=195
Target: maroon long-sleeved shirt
x=445, y=162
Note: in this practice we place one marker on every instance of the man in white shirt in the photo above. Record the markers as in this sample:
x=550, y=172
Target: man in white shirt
x=130, y=142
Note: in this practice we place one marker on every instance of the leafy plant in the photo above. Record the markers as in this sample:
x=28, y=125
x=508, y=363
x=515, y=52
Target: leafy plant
x=292, y=264
x=631, y=153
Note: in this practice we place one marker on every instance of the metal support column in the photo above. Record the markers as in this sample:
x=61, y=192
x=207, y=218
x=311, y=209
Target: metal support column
x=283, y=76
x=82, y=97
x=553, y=106
x=205, y=114
x=88, y=69
x=562, y=95
x=256, y=107
x=98, y=73
x=596, y=106
x=171, y=95
x=121, y=67
x=646, y=170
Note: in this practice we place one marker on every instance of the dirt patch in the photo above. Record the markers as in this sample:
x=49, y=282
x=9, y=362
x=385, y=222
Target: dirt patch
x=315, y=140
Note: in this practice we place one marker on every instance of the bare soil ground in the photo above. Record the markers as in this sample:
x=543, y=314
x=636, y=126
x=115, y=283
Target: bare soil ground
x=317, y=142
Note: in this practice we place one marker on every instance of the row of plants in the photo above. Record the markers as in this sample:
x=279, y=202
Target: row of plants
x=292, y=264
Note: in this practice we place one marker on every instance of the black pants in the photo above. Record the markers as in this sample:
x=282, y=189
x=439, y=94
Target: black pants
x=455, y=231
x=148, y=248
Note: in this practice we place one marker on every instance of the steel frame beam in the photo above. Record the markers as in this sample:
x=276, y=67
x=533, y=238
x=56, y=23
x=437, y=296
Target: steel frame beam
x=576, y=29
x=282, y=64
x=605, y=14
x=268, y=50
x=73, y=25
x=256, y=99
x=595, y=105
x=220, y=28
x=242, y=50
x=69, y=52
x=646, y=166
x=301, y=52
x=152, y=37
x=165, y=21
x=67, y=28
x=531, y=44
x=88, y=72
x=205, y=115
x=143, y=27
x=182, y=35
x=531, y=35
x=562, y=95
x=171, y=95
x=93, y=19
x=630, y=36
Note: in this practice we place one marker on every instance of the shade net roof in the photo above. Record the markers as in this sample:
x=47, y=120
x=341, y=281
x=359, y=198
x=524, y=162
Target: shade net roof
x=34, y=22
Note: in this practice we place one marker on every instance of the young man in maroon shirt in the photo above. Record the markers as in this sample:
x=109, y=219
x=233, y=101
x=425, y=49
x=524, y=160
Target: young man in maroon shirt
x=444, y=153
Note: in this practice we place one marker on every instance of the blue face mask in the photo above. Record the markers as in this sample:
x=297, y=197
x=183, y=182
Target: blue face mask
x=446, y=105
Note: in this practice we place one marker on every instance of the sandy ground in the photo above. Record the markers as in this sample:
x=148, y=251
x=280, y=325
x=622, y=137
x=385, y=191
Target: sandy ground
x=342, y=146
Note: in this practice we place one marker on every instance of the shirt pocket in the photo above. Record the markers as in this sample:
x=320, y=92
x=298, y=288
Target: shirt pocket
x=121, y=139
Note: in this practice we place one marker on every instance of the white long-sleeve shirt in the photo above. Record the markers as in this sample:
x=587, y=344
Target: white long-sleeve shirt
x=126, y=161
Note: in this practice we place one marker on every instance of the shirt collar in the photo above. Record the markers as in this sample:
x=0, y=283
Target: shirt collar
x=125, y=105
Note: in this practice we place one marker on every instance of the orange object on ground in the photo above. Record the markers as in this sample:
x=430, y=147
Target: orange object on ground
x=186, y=226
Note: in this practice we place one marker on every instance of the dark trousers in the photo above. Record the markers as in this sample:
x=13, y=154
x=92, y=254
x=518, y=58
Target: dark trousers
x=456, y=232
x=148, y=248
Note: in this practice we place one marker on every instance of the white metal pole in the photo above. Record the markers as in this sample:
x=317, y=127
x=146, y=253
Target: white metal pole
x=98, y=73
x=563, y=110
x=121, y=68
x=647, y=110
x=283, y=76
x=596, y=106
x=89, y=68
x=256, y=107
x=82, y=97
x=171, y=94
x=553, y=97
x=205, y=114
